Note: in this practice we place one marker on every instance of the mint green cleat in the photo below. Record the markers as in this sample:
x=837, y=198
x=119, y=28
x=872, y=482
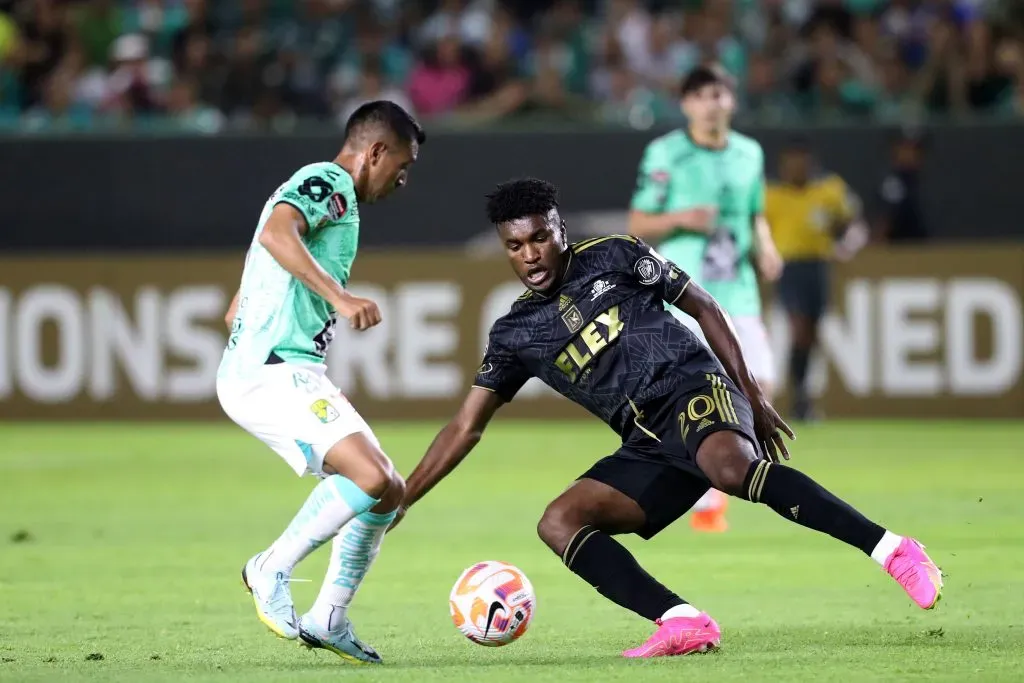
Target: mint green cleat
x=342, y=642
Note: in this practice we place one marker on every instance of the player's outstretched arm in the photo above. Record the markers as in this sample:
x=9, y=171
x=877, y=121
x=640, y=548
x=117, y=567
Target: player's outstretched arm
x=282, y=237
x=721, y=336
x=451, y=445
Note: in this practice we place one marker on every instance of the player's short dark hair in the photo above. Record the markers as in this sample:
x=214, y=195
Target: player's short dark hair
x=387, y=115
x=522, y=197
x=705, y=74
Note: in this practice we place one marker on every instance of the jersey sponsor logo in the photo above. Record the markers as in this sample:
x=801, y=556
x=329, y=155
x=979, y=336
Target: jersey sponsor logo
x=324, y=411
x=564, y=301
x=573, y=319
x=600, y=287
x=337, y=206
x=485, y=368
x=577, y=356
x=648, y=270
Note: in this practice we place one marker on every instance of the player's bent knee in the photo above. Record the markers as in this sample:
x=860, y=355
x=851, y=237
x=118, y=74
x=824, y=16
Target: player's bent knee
x=725, y=458
x=558, y=524
x=357, y=458
x=392, y=497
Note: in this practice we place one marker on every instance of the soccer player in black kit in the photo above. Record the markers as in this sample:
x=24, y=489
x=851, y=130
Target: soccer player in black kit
x=592, y=324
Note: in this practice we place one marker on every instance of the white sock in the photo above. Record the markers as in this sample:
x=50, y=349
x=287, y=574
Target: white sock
x=708, y=501
x=885, y=547
x=681, y=611
x=353, y=551
x=333, y=502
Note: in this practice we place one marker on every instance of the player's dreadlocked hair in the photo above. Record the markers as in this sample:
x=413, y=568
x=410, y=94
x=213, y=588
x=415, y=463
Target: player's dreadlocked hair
x=387, y=115
x=523, y=197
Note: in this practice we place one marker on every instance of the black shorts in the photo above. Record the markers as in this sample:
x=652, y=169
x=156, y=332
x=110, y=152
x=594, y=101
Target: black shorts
x=657, y=463
x=804, y=287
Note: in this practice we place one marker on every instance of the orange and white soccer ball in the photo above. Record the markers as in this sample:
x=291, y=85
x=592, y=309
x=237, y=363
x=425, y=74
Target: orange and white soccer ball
x=492, y=603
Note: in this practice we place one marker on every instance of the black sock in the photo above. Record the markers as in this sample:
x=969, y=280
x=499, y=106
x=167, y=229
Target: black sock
x=606, y=565
x=800, y=499
x=799, y=359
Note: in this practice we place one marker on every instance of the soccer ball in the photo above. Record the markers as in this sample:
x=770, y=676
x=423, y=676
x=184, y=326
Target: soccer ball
x=492, y=603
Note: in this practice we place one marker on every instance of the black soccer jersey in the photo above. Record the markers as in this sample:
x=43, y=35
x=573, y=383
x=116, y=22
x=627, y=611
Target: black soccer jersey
x=603, y=338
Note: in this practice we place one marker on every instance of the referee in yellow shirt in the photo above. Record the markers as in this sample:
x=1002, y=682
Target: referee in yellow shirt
x=815, y=219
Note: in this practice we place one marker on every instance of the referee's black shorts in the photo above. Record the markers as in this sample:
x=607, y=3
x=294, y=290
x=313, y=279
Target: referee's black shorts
x=803, y=288
x=657, y=463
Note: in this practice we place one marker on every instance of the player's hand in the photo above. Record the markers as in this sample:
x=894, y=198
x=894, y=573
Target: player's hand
x=769, y=263
x=362, y=313
x=399, y=516
x=769, y=428
x=700, y=218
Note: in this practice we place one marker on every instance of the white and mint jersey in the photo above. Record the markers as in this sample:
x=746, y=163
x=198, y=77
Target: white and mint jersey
x=277, y=314
x=678, y=174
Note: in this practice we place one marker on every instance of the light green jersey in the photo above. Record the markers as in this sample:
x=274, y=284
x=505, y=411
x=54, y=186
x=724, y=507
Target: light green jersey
x=278, y=316
x=677, y=174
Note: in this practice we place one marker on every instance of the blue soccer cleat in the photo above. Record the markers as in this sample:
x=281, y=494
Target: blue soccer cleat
x=273, y=598
x=342, y=642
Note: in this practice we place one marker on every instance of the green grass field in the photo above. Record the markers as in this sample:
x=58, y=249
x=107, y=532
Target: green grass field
x=120, y=548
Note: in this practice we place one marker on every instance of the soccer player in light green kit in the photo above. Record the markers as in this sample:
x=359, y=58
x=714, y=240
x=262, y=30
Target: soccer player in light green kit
x=700, y=200
x=272, y=381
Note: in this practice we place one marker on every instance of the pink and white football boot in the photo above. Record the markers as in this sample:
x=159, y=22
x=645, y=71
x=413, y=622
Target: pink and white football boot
x=680, y=636
x=915, y=571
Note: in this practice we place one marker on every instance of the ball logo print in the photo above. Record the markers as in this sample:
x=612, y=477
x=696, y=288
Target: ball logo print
x=492, y=603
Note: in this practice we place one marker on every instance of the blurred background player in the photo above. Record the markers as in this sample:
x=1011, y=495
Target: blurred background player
x=900, y=219
x=272, y=379
x=700, y=201
x=815, y=219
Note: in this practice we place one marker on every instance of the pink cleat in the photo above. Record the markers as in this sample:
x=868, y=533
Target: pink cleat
x=915, y=571
x=680, y=636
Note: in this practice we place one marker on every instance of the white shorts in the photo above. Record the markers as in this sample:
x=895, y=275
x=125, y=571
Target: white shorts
x=757, y=350
x=294, y=409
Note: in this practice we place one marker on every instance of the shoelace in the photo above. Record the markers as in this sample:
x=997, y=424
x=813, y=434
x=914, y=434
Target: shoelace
x=280, y=597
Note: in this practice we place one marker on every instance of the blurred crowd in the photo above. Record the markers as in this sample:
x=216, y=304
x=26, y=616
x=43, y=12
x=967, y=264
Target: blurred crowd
x=211, y=65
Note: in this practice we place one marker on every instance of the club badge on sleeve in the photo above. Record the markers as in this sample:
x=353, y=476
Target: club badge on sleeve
x=648, y=270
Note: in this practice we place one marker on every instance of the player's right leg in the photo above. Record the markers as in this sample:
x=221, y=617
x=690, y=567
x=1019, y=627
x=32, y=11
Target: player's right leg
x=624, y=495
x=717, y=427
x=301, y=416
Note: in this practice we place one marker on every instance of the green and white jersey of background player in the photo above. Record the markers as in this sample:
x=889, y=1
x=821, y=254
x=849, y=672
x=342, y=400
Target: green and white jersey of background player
x=677, y=174
x=271, y=379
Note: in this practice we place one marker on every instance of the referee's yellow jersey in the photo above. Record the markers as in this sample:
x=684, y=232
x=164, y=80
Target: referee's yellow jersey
x=805, y=220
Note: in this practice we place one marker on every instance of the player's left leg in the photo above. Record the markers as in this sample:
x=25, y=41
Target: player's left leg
x=353, y=550
x=623, y=495
x=728, y=457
